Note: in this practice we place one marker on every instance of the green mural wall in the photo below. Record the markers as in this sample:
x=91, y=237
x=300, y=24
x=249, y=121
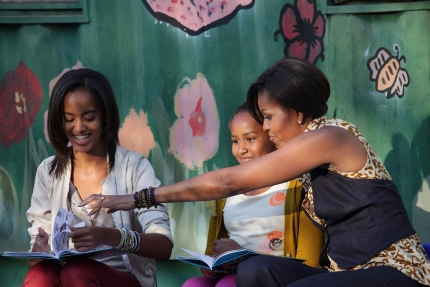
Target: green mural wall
x=398, y=128
x=157, y=69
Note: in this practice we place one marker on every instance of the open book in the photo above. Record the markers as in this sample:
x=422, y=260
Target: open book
x=60, y=242
x=223, y=263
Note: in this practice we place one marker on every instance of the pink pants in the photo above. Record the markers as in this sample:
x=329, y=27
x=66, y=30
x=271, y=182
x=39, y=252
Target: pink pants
x=80, y=272
x=211, y=281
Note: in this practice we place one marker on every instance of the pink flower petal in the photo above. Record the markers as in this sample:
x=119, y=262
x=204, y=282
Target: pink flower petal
x=315, y=51
x=289, y=24
x=199, y=14
x=319, y=26
x=194, y=135
x=306, y=10
x=297, y=49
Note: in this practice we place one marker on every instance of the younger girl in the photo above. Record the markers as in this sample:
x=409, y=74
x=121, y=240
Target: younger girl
x=269, y=220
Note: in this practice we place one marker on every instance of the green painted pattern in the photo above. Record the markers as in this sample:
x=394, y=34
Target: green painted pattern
x=146, y=59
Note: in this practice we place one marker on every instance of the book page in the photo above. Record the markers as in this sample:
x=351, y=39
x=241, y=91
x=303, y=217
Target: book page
x=205, y=258
x=231, y=255
x=60, y=240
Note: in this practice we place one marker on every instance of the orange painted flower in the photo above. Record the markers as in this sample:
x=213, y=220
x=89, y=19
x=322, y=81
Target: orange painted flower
x=135, y=134
x=194, y=135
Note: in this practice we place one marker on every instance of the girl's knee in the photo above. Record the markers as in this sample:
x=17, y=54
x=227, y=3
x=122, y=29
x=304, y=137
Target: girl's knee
x=78, y=268
x=202, y=281
x=44, y=273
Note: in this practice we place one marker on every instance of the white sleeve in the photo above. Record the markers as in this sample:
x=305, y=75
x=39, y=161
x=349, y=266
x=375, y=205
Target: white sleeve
x=153, y=220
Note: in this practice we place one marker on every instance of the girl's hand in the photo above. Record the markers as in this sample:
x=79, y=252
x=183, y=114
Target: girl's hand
x=112, y=203
x=41, y=244
x=90, y=237
x=223, y=245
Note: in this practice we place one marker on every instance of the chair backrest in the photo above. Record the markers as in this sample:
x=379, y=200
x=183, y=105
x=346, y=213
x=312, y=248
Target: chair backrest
x=427, y=248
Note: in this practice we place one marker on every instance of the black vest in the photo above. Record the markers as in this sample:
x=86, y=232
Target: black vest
x=363, y=216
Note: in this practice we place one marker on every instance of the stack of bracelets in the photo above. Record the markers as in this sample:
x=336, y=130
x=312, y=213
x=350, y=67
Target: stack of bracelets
x=145, y=198
x=130, y=240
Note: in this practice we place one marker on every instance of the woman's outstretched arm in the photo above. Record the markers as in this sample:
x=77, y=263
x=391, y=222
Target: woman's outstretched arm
x=331, y=146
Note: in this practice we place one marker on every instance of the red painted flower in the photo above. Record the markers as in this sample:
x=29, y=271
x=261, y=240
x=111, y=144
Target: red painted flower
x=20, y=101
x=197, y=120
x=303, y=30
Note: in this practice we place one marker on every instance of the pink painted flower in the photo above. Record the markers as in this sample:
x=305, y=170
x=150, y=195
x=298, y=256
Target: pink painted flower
x=196, y=16
x=302, y=29
x=135, y=134
x=20, y=101
x=194, y=135
x=51, y=87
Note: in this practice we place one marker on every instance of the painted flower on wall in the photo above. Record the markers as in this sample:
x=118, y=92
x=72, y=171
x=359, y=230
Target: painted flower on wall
x=196, y=16
x=51, y=87
x=135, y=134
x=303, y=29
x=20, y=101
x=194, y=135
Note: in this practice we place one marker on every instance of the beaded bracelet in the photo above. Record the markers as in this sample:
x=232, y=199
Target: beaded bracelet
x=137, y=240
x=146, y=198
x=130, y=240
x=123, y=233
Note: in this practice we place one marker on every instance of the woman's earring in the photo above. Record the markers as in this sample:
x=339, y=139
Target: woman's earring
x=69, y=144
x=299, y=122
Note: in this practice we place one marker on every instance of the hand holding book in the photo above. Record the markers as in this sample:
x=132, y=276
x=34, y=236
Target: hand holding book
x=224, y=245
x=60, y=242
x=41, y=244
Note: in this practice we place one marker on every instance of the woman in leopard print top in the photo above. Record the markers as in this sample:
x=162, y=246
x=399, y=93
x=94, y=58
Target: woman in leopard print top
x=348, y=192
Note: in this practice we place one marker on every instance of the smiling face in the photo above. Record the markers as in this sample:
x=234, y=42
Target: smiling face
x=249, y=140
x=281, y=125
x=83, y=123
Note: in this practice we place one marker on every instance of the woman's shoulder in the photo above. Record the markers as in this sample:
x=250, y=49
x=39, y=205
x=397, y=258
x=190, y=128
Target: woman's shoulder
x=344, y=125
x=46, y=163
x=334, y=130
x=130, y=160
x=129, y=155
x=324, y=123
